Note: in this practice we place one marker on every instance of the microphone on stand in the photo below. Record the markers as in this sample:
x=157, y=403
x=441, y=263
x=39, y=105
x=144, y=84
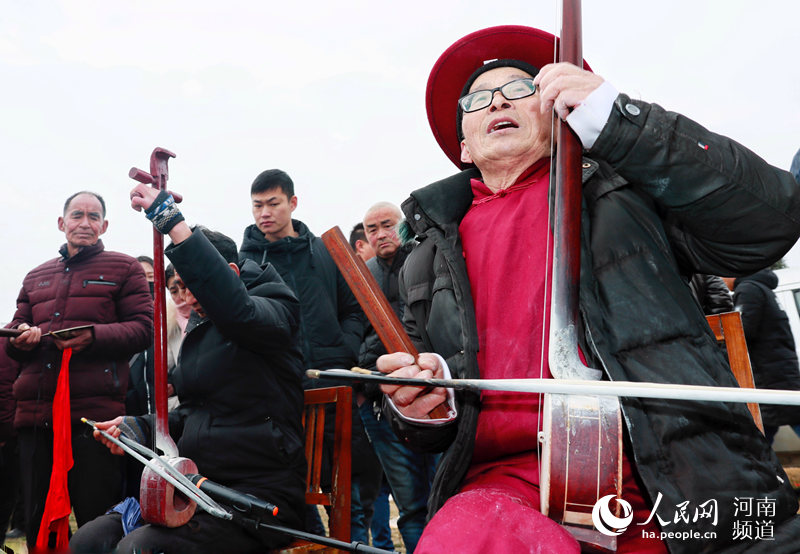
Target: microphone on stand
x=247, y=504
x=239, y=501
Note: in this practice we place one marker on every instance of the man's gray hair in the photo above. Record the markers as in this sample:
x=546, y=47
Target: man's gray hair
x=382, y=205
x=90, y=193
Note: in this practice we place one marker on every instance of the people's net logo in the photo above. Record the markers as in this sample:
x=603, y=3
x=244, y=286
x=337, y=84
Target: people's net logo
x=604, y=519
x=751, y=519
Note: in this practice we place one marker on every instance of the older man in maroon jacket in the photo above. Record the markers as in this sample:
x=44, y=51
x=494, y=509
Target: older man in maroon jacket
x=85, y=285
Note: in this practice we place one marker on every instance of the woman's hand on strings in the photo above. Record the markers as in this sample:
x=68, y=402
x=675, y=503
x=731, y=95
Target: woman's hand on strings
x=413, y=402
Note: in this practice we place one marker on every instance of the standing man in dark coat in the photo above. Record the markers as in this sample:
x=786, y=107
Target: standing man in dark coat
x=409, y=473
x=239, y=383
x=770, y=344
x=86, y=285
x=331, y=324
x=663, y=198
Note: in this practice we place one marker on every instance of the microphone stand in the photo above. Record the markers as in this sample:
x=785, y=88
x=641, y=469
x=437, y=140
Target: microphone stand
x=354, y=546
x=248, y=510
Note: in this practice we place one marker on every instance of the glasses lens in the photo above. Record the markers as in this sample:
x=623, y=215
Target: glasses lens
x=518, y=89
x=476, y=100
x=511, y=91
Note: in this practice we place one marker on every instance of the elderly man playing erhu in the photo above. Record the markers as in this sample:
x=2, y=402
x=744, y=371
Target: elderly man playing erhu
x=663, y=198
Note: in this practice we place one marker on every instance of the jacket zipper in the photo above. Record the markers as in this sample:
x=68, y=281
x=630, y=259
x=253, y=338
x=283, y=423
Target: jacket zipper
x=114, y=376
x=98, y=282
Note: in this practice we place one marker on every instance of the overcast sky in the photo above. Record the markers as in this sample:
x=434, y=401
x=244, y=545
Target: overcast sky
x=331, y=92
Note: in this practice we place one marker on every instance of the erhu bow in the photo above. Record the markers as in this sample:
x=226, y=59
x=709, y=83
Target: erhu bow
x=633, y=389
x=158, y=498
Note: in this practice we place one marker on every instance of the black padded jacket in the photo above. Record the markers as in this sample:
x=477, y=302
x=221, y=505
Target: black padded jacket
x=769, y=341
x=332, y=323
x=238, y=379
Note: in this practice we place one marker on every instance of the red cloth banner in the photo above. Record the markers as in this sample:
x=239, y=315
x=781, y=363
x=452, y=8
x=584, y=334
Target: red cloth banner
x=58, y=506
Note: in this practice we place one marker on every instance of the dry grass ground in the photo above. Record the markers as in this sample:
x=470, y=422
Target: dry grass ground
x=393, y=515
x=18, y=545
x=396, y=538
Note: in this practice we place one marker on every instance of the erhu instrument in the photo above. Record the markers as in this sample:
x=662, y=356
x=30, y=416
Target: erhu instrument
x=158, y=498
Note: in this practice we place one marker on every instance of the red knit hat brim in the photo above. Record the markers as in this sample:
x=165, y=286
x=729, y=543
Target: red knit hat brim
x=457, y=63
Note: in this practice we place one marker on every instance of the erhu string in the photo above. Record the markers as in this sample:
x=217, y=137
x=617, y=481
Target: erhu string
x=548, y=252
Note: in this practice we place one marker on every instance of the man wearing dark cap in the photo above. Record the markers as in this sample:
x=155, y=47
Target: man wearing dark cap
x=663, y=198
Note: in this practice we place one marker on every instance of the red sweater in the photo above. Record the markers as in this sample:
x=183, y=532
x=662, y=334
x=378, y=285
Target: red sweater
x=505, y=246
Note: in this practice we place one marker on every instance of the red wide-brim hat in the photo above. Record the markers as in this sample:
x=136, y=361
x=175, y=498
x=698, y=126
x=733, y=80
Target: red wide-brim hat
x=456, y=65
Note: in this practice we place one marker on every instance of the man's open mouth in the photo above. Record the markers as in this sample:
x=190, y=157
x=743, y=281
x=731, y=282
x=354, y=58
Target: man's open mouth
x=503, y=124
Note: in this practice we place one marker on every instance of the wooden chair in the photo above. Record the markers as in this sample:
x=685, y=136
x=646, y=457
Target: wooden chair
x=728, y=328
x=338, y=498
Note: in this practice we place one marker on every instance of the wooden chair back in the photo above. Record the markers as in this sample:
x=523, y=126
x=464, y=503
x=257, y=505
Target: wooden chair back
x=728, y=329
x=338, y=497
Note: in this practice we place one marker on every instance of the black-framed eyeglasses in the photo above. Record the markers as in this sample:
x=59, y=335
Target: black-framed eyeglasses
x=519, y=88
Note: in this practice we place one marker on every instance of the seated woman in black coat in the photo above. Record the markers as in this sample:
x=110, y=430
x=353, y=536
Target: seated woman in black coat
x=239, y=382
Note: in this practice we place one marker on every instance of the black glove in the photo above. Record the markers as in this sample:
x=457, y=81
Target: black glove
x=164, y=213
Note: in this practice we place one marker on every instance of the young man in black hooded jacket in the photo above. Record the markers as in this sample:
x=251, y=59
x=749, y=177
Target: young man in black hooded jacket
x=331, y=323
x=770, y=344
